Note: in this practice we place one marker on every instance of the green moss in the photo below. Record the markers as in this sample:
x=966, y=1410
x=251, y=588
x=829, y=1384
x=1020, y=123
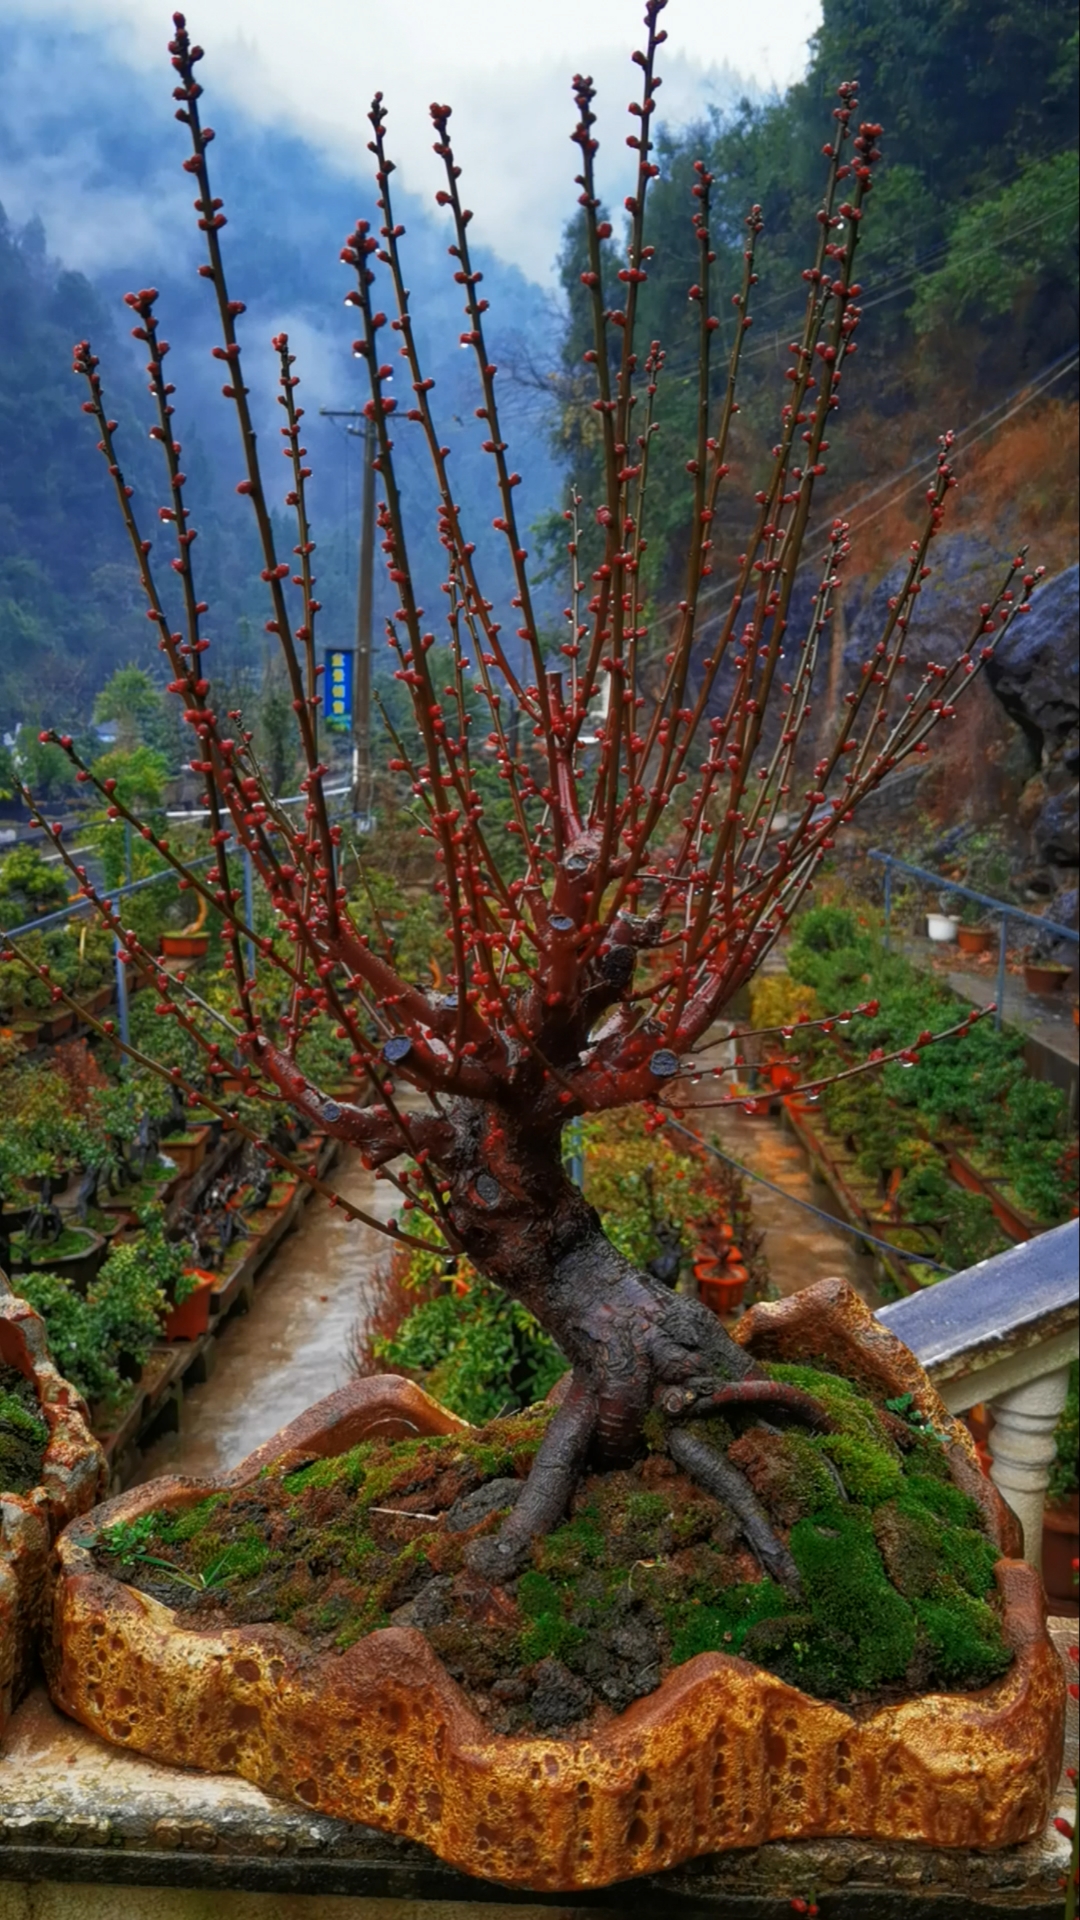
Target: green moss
x=722, y=1627
x=944, y=1498
x=551, y=1634
x=646, y=1509
x=189, y=1523
x=24, y=1434
x=577, y=1544
x=537, y=1595
x=240, y=1559
x=965, y=1638
x=869, y=1472
x=923, y=1554
x=864, y=1630
x=849, y=1408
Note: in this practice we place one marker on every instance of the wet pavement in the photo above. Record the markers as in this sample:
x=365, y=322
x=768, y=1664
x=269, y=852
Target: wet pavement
x=293, y=1347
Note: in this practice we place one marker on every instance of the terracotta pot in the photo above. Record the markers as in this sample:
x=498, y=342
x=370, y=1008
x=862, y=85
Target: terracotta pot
x=975, y=939
x=723, y=1295
x=1060, y=1547
x=184, y=946
x=192, y=1317
x=783, y=1075
x=721, y=1755
x=187, y=1151
x=55, y=1025
x=72, y=1477
x=1045, y=976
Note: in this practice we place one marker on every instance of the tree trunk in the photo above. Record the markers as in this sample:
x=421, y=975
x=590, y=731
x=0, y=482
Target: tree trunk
x=627, y=1336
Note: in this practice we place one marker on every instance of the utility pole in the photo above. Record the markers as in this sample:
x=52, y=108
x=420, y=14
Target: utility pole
x=361, y=702
x=364, y=634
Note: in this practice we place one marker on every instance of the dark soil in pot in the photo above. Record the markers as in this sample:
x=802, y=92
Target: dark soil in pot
x=24, y=1434
x=646, y=1571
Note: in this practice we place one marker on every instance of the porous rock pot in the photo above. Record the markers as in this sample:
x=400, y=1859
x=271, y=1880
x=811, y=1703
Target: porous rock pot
x=72, y=1478
x=722, y=1754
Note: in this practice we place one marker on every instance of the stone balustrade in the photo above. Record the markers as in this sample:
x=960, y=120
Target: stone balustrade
x=1003, y=1334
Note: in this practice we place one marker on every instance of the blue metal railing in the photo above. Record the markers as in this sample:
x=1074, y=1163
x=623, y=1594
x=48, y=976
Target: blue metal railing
x=1000, y=909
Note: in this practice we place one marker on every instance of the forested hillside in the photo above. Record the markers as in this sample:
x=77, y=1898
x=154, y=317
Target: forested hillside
x=967, y=263
x=968, y=270
x=93, y=146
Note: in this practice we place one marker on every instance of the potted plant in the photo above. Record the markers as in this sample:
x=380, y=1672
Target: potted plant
x=335, y=1673
x=942, y=926
x=592, y=952
x=184, y=945
x=721, y=1280
x=1046, y=976
x=189, y=1316
x=973, y=935
x=187, y=1150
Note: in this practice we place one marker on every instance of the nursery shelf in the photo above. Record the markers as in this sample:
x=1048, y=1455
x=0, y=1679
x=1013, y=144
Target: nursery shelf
x=153, y=1406
x=825, y=1160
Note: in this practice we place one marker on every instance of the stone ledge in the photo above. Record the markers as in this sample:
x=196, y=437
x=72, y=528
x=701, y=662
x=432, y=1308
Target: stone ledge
x=75, y=1811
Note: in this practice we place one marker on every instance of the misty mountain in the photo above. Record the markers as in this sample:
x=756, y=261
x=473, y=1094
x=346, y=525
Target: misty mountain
x=96, y=203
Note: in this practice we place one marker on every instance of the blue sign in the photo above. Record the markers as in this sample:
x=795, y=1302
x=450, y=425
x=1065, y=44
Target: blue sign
x=338, y=689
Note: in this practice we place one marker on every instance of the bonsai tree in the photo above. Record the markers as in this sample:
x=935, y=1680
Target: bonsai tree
x=669, y=815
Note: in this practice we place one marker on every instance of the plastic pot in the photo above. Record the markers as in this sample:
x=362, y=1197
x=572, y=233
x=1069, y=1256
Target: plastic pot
x=184, y=946
x=723, y=1287
x=783, y=1075
x=192, y=1317
x=975, y=939
x=1060, y=1547
x=941, y=928
x=187, y=1151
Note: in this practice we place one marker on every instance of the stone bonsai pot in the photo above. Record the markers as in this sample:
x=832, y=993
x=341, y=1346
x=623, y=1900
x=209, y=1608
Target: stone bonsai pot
x=51, y=1468
x=722, y=1753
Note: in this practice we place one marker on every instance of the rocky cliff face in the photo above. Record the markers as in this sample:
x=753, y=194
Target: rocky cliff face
x=1036, y=677
x=1013, y=755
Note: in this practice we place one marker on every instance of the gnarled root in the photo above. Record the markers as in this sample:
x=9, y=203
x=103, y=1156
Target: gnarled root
x=546, y=1493
x=718, y=1477
x=564, y=1450
x=705, y=1396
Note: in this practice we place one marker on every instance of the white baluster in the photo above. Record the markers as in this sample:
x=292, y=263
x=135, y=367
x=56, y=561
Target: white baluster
x=1022, y=1448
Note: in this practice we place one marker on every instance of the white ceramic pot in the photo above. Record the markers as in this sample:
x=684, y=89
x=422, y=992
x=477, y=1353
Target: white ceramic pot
x=940, y=927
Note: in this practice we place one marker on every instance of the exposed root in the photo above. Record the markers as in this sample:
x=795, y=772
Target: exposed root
x=726, y=1483
x=705, y=1396
x=545, y=1496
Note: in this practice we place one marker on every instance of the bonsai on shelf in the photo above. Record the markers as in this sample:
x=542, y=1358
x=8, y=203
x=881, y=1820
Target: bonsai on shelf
x=645, y=765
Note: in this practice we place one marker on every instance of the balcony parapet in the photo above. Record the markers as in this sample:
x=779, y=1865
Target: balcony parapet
x=1003, y=1334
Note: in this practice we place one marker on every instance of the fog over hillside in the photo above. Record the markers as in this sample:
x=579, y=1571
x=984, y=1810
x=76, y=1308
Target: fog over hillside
x=91, y=183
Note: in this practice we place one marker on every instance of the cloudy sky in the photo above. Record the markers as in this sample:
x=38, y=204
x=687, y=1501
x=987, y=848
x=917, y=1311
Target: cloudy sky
x=504, y=67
